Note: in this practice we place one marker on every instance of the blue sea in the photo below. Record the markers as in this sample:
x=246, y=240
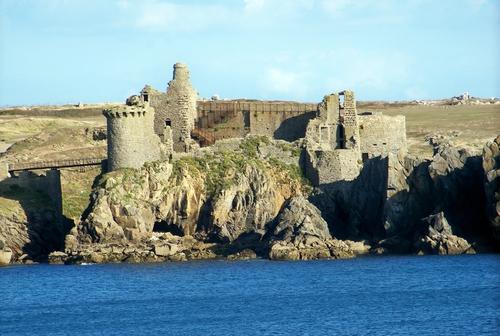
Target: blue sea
x=428, y=295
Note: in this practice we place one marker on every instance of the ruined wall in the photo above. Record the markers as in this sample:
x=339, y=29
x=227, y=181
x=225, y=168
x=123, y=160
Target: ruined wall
x=325, y=131
x=332, y=141
x=380, y=134
x=281, y=120
x=48, y=181
x=322, y=136
x=223, y=119
x=176, y=107
x=236, y=118
x=329, y=166
x=131, y=140
x=350, y=121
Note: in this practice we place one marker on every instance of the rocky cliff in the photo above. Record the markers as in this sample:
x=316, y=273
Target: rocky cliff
x=238, y=197
x=249, y=198
x=246, y=198
x=30, y=227
x=491, y=166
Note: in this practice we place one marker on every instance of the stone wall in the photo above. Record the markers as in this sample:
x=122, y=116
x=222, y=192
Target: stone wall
x=237, y=118
x=48, y=181
x=223, y=119
x=175, y=108
x=350, y=121
x=332, y=141
x=329, y=166
x=281, y=120
x=380, y=134
x=131, y=140
x=325, y=131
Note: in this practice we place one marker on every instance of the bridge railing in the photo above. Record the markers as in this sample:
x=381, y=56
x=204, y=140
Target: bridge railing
x=18, y=166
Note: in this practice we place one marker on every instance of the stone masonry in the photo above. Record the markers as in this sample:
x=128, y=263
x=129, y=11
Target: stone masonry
x=381, y=134
x=175, y=108
x=131, y=140
x=332, y=141
x=337, y=139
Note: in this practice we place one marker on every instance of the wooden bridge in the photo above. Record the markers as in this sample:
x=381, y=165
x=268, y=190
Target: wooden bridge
x=20, y=166
x=203, y=137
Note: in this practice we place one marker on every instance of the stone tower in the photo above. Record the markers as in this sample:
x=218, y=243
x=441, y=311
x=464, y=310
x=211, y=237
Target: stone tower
x=350, y=123
x=332, y=141
x=131, y=140
x=177, y=109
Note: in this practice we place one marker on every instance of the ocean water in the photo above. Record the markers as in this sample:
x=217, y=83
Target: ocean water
x=429, y=295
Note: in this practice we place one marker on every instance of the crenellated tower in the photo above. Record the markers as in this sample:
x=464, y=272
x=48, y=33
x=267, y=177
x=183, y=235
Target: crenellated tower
x=131, y=140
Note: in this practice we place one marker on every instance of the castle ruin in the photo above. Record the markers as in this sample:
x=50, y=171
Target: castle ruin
x=131, y=140
x=338, y=139
x=175, y=108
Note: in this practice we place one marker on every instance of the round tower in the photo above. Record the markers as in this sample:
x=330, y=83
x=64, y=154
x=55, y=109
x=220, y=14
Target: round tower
x=181, y=72
x=131, y=140
x=177, y=109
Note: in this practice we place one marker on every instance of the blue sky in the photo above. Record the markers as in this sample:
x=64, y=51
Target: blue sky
x=68, y=51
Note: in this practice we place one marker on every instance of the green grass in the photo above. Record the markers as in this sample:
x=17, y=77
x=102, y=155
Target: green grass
x=250, y=145
x=475, y=123
x=76, y=189
x=219, y=171
x=31, y=200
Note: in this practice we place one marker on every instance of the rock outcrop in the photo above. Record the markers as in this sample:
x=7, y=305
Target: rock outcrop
x=437, y=238
x=491, y=166
x=30, y=228
x=222, y=198
x=301, y=233
x=5, y=254
x=237, y=201
x=386, y=203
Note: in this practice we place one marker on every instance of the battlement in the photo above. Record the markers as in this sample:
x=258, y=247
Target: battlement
x=124, y=111
x=181, y=71
x=131, y=140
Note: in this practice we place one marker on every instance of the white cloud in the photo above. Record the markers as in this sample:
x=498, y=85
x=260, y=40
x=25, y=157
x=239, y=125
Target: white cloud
x=162, y=16
x=252, y=6
x=286, y=82
x=336, y=6
x=165, y=15
x=298, y=76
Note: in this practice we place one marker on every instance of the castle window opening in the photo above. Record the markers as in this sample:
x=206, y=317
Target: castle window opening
x=146, y=98
x=168, y=122
x=246, y=118
x=341, y=101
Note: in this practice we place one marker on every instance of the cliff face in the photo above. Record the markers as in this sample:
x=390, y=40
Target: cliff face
x=491, y=166
x=227, y=198
x=249, y=197
x=397, y=201
x=220, y=195
x=30, y=228
x=240, y=199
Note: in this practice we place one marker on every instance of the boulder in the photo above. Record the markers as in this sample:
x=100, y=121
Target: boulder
x=438, y=238
x=298, y=220
x=5, y=256
x=245, y=254
x=165, y=250
x=57, y=257
x=300, y=233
